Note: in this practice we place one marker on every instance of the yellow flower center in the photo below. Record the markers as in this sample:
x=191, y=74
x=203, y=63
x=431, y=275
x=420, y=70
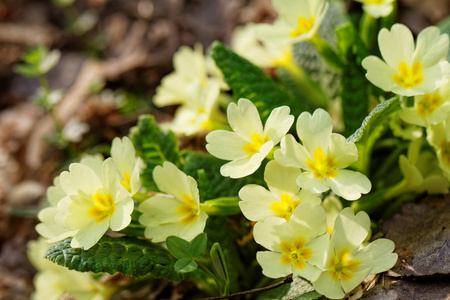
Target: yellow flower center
x=428, y=104
x=409, y=78
x=257, y=142
x=103, y=207
x=189, y=209
x=126, y=182
x=286, y=207
x=322, y=166
x=295, y=253
x=286, y=58
x=304, y=26
x=341, y=267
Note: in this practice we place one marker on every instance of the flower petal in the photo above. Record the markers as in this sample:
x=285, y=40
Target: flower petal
x=349, y=184
x=89, y=235
x=244, y=119
x=272, y=265
x=314, y=130
x=256, y=202
x=226, y=145
x=350, y=230
x=281, y=179
x=291, y=154
x=377, y=256
x=397, y=45
x=278, y=123
x=378, y=72
x=308, y=181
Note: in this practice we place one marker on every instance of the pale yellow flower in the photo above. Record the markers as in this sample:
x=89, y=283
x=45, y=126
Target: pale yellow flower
x=377, y=8
x=296, y=246
x=176, y=213
x=409, y=69
x=53, y=282
x=282, y=198
x=249, y=142
x=348, y=263
x=298, y=20
x=323, y=157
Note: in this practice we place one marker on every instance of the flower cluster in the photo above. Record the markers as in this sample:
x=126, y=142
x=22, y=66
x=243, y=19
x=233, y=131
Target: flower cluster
x=195, y=85
x=92, y=197
x=297, y=207
x=291, y=223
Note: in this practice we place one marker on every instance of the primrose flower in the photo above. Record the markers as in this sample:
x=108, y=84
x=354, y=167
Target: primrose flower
x=200, y=112
x=95, y=201
x=48, y=228
x=178, y=213
x=190, y=66
x=298, y=21
x=282, y=198
x=431, y=108
x=296, y=246
x=323, y=157
x=409, y=70
x=377, y=8
x=128, y=165
x=348, y=262
x=250, y=143
x=53, y=281
x=263, y=53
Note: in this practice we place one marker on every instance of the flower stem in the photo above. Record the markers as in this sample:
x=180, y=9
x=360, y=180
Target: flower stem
x=367, y=30
x=309, y=87
x=221, y=206
x=328, y=54
x=288, y=279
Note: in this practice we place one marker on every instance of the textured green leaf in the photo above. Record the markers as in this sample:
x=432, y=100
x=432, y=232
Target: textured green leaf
x=178, y=247
x=223, y=186
x=371, y=129
x=185, y=265
x=249, y=81
x=354, y=85
x=128, y=256
x=154, y=147
x=377, y=117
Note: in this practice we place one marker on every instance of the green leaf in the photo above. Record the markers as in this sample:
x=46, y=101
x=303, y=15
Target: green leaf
x=371, y=129
x=223, y=186
x=185, y=265
x=354, y=85
x=377, y=117
x=27, y=70
x=218, y=260
x=206, y=190
x=154, y=147
x=178, y=247
x=128, y=256
x=198, y=245
x=249, y=81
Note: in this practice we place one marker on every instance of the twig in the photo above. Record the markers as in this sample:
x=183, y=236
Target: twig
x=288, y=279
